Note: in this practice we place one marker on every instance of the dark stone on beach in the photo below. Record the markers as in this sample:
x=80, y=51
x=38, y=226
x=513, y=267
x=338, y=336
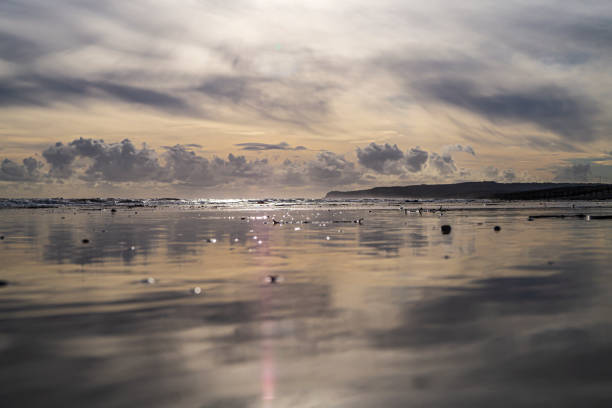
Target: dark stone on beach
x=3, y=283
x=446, y=229
x=85, y=241
x=272, y=279
x=497, y=228
x=113, y=210
x=1, y=237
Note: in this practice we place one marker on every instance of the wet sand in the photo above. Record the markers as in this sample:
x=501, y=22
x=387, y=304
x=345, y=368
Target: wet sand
x=389, y=312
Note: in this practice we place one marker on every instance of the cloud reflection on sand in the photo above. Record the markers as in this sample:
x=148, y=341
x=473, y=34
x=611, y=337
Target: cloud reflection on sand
x=375, y=316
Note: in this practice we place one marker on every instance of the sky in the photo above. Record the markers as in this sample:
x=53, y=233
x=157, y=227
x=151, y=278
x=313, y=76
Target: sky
x=218, y=99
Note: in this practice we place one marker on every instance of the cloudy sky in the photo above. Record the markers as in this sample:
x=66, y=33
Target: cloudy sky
x=210, y=98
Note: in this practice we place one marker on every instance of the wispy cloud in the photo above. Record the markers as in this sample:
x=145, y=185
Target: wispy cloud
x=41, y=91
x=549, y=107
x=268, y=146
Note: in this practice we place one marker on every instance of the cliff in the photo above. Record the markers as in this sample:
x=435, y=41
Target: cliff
x=485, y=190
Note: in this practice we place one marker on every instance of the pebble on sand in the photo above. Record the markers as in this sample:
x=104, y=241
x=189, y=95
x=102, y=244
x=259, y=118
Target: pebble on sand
x=212, y=240
x=148, y=280
x=272, y=279
x=1, y=237
x=497, y=228
x=446, y=229
x=85, y=241
x=3, y=283
x=197, y=290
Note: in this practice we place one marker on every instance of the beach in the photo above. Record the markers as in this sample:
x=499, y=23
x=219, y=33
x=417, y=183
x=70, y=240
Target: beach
x=306, y=304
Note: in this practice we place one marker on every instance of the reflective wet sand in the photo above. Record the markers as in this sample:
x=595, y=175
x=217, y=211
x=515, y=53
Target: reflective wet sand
x=386, y=313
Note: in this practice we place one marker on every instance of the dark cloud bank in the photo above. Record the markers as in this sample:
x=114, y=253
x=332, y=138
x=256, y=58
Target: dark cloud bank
x=124, y=162
x=387, y=159
x=94, y=161
x=91, y=160
x=29, y=170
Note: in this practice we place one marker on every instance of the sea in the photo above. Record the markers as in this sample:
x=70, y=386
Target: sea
x=305, y=303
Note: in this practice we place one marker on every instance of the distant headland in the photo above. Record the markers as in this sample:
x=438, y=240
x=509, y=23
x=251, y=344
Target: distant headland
x=486, y=190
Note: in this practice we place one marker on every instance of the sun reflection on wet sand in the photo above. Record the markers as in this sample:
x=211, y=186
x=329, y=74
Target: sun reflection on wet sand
x=268, y=361
x=267, y=327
